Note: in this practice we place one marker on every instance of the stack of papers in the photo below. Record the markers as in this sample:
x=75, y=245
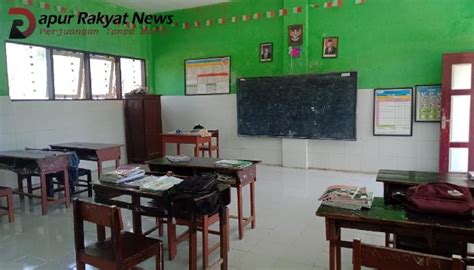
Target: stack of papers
x=229, y=163
x=348, y=197
x=180, y=158
x=156, y=183
x=122, y=174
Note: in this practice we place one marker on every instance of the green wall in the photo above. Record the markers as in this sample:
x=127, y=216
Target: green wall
x=136, y=45
x=390, y=43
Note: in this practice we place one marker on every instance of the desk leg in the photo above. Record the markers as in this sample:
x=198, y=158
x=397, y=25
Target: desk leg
x=178, y=149
x=192, y=244
x=163, y=147
x=44, y=194
x=240, y=212
x=224, y=236
x=117, y=163
x=99, y=168
x=252, y=204
x=333, y=236
x=137, y=218
x=20, y=187
x=172, y=245
x=67, y=188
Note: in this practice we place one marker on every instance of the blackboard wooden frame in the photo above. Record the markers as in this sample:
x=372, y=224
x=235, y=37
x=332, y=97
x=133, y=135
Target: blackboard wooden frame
x=416, y=104
x=205, y=58
x=411, y=112
x=352, y=74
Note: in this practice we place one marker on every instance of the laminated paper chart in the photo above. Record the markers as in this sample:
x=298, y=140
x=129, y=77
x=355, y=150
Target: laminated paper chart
x=393, y=112
x=208, y=76
x=428, y=103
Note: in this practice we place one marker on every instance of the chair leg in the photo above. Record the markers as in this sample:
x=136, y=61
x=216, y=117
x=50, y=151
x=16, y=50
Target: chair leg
x=80, y=266
x=29, y=185
x=205, y=242
x=172, y=245
x=89, y=184
x=240, y=213
x=11, y=213
x=159, y=259
x=20, y=187
x=159, y=222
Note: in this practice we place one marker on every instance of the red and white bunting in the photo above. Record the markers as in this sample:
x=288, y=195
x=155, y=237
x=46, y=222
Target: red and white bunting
x=197, y=24
x=28, y=2
x=234, y=19
x=186, y=26
x=61, y=9
x=315, y=5
x=297, y=10
x=221, y=20
x=333, y=3
x=76, y=12
x=209, y=22
x=360, y=2
x=44, y=5
x=245, y=18
x=257, y=16
x=283, y=12
x=270, y=14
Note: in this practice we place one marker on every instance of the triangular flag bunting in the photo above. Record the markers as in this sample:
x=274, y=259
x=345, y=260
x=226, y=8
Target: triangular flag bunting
x=235, y=19
x=245, y=18
x=61, y=9
x=315, y=5
x=44, y=5
x=333, y=3
x=76, y=12
x=28, y=2
x=257, y=16
x=360, y=2
x=197, y=24
x=221, y=20
x=270, y=14
x=297, y=10
x=283, y=12
x=209, y=22
x=185, y=26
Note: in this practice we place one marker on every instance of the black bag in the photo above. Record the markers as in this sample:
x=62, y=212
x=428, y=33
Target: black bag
x=198, y=193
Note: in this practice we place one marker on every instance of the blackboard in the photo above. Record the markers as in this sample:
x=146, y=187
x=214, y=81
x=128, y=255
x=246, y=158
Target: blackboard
x=315, y=106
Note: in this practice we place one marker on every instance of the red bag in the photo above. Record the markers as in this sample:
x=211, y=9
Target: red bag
x=440, y=198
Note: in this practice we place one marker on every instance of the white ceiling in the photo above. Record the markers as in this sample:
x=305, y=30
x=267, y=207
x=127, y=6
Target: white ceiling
x=153, y=6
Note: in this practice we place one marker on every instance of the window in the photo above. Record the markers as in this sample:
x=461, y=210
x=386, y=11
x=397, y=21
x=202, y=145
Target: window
x=132, y=74
x=103, y=79
x=27, y=72
x=68, y=75
x=42, y=73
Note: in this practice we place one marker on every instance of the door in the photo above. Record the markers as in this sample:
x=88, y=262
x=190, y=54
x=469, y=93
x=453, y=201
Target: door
x=457, y=114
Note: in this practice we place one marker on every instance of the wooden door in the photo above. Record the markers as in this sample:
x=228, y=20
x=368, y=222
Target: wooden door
x=457, y=114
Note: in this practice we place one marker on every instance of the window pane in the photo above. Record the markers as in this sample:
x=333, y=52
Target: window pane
x=461, y=76
x=103, y=80
x=27, y=72
x=132, y=71
x=460, y=112
x=458, y=158
x=68, y=75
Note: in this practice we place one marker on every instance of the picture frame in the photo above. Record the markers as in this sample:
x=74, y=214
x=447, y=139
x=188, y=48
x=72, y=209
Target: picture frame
x=393, y=111
x=199, y=81
x=295, y=35
x=330, y=47
x=428, y=103
x=266, y=52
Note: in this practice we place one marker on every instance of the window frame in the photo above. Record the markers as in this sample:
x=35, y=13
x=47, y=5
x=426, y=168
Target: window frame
x=87, y=72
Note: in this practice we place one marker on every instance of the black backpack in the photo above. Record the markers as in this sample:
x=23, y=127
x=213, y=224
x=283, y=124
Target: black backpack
x=198, y=193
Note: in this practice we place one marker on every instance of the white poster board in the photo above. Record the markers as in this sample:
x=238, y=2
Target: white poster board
x=393, y=112
x=207, y=76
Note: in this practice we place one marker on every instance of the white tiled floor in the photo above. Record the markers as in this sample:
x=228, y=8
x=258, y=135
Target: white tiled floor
x=288, y=234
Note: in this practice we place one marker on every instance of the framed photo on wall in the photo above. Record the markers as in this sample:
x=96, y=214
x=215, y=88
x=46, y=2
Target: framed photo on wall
x=428, y=103
x=207, y=76
x=393, y=111
x=295, y=35
x=330, y=47
x=266, y=52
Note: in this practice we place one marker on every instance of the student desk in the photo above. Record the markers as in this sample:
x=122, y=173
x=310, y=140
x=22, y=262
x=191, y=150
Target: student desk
x=243, y=177
x=105, y=194
x=99, y=152
x=39, y=163
x=391, y=218
x=184, y=138
x=400, y=181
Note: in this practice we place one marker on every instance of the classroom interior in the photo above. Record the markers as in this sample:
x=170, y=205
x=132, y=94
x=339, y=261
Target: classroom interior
x=388, y=84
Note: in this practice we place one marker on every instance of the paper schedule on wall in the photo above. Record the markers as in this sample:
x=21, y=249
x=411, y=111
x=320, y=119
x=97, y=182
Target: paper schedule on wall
x=393, y=112
x=207, y=76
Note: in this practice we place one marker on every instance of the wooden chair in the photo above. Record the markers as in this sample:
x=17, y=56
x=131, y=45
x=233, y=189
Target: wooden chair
x=395, y=259
x=212, y=147
x=8, y=193
x=123, y=250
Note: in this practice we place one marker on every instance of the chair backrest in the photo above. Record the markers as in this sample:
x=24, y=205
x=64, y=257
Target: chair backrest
x=394, y=259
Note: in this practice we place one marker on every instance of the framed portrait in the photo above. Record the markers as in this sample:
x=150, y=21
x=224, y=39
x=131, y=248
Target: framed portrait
x=428, y=103
x=295, y=35
x=330, y=47
x=266, y=52
x=207, y=76
x=393, y=111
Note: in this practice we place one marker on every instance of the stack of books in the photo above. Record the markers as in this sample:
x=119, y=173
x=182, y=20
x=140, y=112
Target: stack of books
x=123, y=174
x=348, y=197
x=155, y=183
x=229, y=163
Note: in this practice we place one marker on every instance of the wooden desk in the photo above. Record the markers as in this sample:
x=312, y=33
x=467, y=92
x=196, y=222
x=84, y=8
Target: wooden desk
x=392, y=219
x=99, y=152
x=41, y=163
x=400, y=181
x=105, y=194
x=243, y=177
x=186, y=138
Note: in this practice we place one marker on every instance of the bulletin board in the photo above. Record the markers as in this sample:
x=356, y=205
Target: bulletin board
x=428, y=103
x=393, y=109
x=207, y=76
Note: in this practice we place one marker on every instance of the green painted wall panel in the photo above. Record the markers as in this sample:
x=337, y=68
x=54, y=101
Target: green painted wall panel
x=136, y=45
x=390, y=43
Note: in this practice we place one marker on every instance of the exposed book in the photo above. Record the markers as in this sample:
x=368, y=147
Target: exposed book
x=349, y=197
x=114, y=177
x=231, y=163
x=179, y=158
x=162, y=183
